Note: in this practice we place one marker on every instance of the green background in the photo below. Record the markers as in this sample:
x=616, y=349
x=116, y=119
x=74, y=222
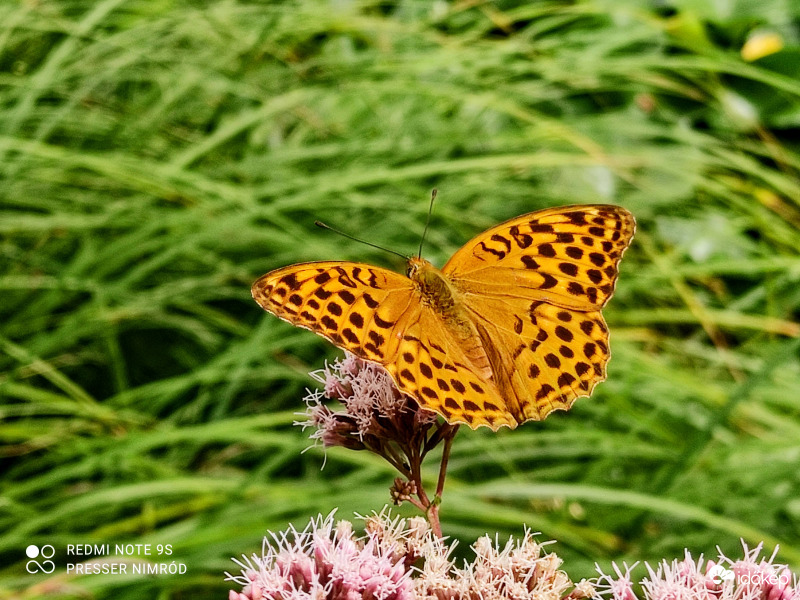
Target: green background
x=157, y=156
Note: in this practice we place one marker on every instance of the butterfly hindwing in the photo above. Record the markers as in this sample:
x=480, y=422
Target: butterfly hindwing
x=432, y=367
x=543, y=356
x=356, y=306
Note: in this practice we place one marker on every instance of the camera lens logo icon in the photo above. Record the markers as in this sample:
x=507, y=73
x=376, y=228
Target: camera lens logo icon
x=45, y=552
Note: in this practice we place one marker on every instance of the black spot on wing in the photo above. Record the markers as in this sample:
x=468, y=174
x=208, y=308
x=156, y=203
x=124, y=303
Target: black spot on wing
x=565, y=380
x=407, y=375
x=291, y=281
x=545, y=390
x=529, y=262
x=381, y=323
x=546, y=250
x=597, y=259
x=500, y=254
x=517, y=325
x=552, y=361
x=575, y=288
x=370, y=301
x=549, y=281
x=568, y=269
x=505, y=241
x=523, y=239
x=564, y=333
x=458, y=386
x=576, y=217
x=471, y=406
x=574, y=252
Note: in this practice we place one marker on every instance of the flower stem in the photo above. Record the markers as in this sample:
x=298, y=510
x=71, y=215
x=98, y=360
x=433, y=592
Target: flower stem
x=433, y=511
x=429, y=506
x=448, y=443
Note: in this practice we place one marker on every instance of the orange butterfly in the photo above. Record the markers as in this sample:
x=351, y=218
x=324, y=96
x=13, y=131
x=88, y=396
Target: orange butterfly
x=507, y=331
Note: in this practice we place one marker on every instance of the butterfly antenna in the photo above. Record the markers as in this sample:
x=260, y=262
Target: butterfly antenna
x=427, y=222
x=355, y=239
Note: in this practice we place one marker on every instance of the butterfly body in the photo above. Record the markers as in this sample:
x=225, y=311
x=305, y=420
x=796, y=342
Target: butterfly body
x=440, y=293
x=507, y=331
x=433, y=287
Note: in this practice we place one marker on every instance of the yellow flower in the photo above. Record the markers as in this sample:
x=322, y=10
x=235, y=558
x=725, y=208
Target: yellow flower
x=761, y=44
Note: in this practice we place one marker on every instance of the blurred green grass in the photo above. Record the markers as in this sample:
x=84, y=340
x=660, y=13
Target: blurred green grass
x=158, y=156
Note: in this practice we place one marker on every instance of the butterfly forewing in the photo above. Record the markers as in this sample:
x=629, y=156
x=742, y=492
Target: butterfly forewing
x=358, y=307
x=566, y=256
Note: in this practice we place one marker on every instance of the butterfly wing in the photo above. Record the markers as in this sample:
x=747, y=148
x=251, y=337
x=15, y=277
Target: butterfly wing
x=565, y=256
x=432, y=366
x=358, y=307
x=378, y=315
x=534, y=287
x=544, y=357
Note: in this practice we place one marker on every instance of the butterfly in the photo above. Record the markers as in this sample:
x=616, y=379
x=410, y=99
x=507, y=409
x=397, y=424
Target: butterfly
x=509, y=330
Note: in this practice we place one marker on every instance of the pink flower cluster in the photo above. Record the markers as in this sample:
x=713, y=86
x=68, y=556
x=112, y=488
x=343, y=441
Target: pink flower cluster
x=517, y=571
x=749, y=578
x=397, y=559
x=379, y=418
x=323, y=561
x=375, y=411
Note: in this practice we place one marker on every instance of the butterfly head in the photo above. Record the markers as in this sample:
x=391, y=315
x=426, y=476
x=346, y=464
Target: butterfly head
x=415, y=266
x=431, y=283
